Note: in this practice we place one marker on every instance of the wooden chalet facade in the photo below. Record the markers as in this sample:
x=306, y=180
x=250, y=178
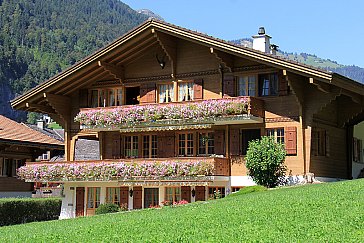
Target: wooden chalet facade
x=20, y=144
x=158, y=68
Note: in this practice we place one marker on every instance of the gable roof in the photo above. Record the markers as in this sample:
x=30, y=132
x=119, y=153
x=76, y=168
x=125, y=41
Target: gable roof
x=145, y=31
x=11, y=131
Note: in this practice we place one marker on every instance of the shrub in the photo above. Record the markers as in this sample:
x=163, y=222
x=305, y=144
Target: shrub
x=25, y=210
x=265, y=162
x=107, y=208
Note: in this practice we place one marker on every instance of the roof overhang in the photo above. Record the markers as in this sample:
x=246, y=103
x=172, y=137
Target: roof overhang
x=143, y=37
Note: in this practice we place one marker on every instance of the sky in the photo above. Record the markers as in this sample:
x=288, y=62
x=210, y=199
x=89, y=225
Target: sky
x=329, y=29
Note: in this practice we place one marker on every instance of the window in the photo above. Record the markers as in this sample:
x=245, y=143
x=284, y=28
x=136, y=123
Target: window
x=165, y=93
x=106, y=97
x=206, y=143
x=318, y=142
x=216, y=192
x=131, y=146
x=8, y=166
x=93, y=197
x=185, y=144
x=268, y=84
x=357, y=150
x=185, y=91
x=248, y=135
x=149, y=146
x=113, y=195
x=173, y=194
x=246, y=85
x=277, y=133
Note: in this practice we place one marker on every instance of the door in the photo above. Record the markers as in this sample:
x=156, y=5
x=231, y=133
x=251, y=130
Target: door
x=137, y=197
x=151, y=197
x=80, y=201
x=186, y=193
x=124, y=196
x=200, y=193
x=248, y=135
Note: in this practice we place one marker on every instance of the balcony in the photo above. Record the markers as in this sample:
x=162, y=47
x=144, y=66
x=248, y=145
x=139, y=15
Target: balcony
x=173, y=116
x=183, y=170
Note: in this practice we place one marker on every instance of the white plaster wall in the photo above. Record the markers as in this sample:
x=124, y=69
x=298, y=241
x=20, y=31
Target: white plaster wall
x=358, y=133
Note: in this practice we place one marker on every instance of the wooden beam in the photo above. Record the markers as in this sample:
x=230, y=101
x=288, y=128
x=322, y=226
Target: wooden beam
x=85, y=81
x=115, y=71
x=134, y=55
x=224, y=58
x=169, y=46
x=320, y=85
x=61, y=104
x=41, y=108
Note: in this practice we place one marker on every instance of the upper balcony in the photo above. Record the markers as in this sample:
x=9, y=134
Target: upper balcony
x=133, y=171
x=173, y=116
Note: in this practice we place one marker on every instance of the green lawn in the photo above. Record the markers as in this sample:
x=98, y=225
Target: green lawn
x=332, y=212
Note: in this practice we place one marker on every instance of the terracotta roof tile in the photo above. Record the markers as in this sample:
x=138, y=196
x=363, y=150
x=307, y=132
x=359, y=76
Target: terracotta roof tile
x=11, y=130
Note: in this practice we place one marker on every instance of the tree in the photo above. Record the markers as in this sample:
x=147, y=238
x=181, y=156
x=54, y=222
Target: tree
x=265, y=162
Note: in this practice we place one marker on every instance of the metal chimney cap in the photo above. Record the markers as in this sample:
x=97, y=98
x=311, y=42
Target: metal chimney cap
x=261, y=31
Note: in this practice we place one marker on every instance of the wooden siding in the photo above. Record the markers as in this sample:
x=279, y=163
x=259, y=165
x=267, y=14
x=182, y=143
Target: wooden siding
x=12, y=184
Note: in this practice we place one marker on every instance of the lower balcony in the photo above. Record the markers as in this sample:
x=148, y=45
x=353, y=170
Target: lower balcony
x=198, y=169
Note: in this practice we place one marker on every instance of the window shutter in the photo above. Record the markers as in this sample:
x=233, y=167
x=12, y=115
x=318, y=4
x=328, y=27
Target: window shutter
x=124, y=195
x=147, y=93
x=198, y=89
x=200, y=193
x=165, y=146
x=291, y=140
x=229, y=86
x=283, y=84
x=116, y=146
x=186, y=193
x=83, y=98
x=219, y=138
x=234, y=142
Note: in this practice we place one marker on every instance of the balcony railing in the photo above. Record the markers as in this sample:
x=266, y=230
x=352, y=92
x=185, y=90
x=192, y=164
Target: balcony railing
x=176, y=115
x=127, y=170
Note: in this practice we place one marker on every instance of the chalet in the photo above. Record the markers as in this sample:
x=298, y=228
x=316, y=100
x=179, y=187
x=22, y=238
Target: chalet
x=173, y=111
x=20, y=144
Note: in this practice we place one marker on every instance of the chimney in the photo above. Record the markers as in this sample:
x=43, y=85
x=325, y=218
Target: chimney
x=40, y=124
x=261, y=42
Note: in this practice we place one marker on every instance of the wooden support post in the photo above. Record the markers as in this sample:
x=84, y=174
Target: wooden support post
x=67, y=143
x=72, y=148
x=307, y=149
x=227, y=142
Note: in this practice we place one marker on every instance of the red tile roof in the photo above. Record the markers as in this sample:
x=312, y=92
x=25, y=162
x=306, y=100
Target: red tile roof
x=11, y=130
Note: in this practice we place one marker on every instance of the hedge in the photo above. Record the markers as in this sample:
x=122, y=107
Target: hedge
x=25, y=210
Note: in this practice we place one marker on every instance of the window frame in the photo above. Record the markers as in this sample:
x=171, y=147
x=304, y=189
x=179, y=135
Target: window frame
x=106, y=93
x=269, y=89
x=318, y=142
x=213, y=189
x=186, y=148
x=207, y=146
x=168, y=92
x=96, y=198
x=175, y=195
x=132, y=145
x=191, y=93
x=247, y=84
x=114, y=191
x=277, y=133
x=151, y=150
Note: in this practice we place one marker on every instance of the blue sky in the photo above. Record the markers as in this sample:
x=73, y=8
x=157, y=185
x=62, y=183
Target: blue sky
x=330, y=29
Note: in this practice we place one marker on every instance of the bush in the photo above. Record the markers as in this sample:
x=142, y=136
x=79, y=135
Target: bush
x=107, y=208
x=25, y=210
x=265, y=162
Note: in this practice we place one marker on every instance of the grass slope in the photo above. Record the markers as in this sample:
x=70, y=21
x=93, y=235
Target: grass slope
x=313, y=213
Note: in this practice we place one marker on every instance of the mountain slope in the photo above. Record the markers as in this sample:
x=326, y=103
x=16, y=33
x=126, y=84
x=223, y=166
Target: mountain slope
x=40, y=38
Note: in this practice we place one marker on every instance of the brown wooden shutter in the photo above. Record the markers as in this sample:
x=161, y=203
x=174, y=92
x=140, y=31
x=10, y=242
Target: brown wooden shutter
x=124, y=196
x=137, y=197
x=83, y=98
x=186, y=193
x=147, y=93
x=198, y=89
x=283, y=84
x=80, y=201
x=229, y=86
x=290, y=139
x=116, y=148
x=234, y=142
x=219, y=142
x=200, y=193
x=166, y=145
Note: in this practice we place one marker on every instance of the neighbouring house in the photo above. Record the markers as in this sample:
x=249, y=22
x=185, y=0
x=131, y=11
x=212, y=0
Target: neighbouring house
x=19, y=144
x=173, y=111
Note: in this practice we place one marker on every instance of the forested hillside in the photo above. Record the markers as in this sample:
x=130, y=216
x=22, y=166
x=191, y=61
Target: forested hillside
x=39, y=38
